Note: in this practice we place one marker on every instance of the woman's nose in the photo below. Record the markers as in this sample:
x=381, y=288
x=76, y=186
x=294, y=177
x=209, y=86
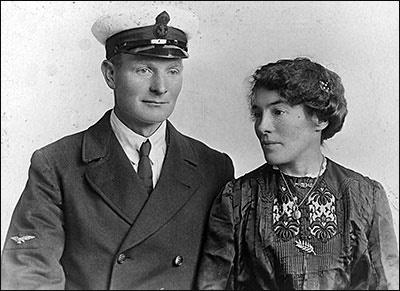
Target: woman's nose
x=264, y=124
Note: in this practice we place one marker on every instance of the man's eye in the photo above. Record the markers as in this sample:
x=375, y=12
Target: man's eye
x=144, y=71
x=174, y=72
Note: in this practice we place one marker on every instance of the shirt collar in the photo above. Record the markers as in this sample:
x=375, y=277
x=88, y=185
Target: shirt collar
x=131, y=141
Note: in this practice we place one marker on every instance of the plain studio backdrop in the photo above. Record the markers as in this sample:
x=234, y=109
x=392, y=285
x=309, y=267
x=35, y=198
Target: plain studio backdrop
x=51, y=83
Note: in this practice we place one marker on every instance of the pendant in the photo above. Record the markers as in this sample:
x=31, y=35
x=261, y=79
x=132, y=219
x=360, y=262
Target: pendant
x=296, y=214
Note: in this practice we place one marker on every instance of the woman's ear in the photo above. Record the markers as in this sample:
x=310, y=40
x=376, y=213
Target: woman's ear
x=320, y=125
x=108, y=70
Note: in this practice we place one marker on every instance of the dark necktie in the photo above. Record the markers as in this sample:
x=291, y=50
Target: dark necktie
x=144, y=167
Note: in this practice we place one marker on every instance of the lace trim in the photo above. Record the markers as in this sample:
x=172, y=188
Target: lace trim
x=311, y=175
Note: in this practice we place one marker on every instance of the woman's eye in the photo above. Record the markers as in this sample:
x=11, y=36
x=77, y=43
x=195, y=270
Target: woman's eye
x=278, y=112
x=255, y=114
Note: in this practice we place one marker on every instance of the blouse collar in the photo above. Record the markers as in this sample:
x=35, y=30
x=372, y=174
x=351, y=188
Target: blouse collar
x=309, y=175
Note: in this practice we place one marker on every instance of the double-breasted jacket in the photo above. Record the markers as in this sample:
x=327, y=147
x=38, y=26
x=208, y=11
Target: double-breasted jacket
x=85, y=221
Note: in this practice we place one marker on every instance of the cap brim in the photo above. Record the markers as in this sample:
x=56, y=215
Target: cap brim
x=166, y=51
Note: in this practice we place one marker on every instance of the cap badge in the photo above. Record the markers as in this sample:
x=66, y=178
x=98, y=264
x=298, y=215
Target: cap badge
x=160, y=29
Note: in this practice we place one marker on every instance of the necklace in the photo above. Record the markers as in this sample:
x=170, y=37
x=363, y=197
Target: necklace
x=303, y=184
x=296, y=214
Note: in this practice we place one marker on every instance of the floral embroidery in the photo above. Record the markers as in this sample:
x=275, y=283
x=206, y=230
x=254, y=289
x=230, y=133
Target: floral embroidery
x=284, y=225
x=287, y=230
x=323, y=230
x=323, y=219
x=321, y=195
x=322, y=214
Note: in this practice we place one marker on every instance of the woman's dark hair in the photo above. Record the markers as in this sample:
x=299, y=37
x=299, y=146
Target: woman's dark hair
x=302, y=81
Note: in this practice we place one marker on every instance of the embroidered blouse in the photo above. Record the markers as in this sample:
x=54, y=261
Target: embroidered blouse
x=344, y=238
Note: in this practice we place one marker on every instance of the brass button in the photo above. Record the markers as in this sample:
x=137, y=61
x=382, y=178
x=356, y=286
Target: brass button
x=178, y=261
x=121, y=258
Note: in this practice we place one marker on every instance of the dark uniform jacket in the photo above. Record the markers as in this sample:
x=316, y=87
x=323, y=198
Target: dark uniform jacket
x=344, y=240
x=84, y=221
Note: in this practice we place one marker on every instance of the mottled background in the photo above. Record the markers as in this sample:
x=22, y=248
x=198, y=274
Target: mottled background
x=51, y=83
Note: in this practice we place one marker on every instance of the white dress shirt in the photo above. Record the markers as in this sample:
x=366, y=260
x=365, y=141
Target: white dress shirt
x=131, y=142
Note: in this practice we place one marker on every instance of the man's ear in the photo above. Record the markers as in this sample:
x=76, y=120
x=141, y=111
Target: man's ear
x=320, y=125
x=108, y=70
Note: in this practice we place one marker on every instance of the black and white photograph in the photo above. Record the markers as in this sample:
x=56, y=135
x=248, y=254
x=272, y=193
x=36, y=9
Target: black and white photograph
x=199, y=145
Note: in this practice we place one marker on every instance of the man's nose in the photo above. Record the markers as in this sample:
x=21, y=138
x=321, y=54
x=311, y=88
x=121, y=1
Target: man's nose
x=159, y=85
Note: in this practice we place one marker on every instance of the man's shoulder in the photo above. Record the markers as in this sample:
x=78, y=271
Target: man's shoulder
x=202, y=147
x=196, y=144
x=67, y=145
x=75, y=140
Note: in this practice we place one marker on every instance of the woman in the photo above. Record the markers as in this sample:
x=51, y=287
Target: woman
x=300, y=221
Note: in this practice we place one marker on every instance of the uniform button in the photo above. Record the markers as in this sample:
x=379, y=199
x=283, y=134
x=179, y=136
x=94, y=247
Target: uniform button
x=178, y=261
x=121, y=258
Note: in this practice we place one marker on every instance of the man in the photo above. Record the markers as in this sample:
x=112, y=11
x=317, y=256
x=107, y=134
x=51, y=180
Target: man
x=95, y=214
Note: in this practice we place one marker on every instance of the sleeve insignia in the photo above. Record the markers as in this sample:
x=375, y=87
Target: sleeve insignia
x=22, y=239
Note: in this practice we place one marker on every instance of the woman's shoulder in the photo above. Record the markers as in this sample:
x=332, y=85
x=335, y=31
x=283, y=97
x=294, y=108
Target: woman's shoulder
x=246, y=186
x=358, y=187
x=347, y=175
x=261, y=172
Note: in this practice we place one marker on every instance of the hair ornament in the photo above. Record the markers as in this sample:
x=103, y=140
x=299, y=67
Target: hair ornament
x=324, y=85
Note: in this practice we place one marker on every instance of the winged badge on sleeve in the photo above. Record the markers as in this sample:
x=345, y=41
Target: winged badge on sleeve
x=22, y=239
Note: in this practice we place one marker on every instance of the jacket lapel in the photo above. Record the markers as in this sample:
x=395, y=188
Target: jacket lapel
x=178, y=181
x=110, y=172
